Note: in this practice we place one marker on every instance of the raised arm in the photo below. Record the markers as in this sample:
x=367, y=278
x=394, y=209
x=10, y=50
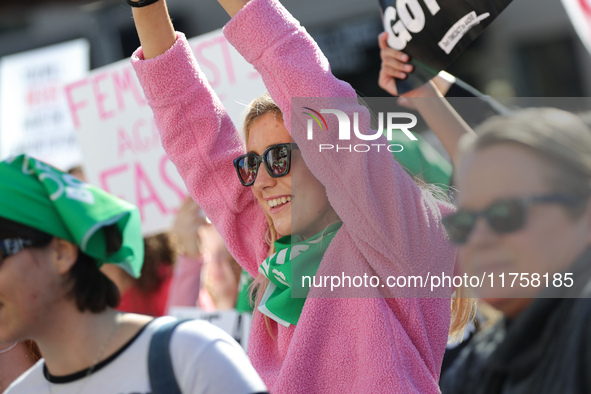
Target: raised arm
x=440, y=116
x=197, y=134
x=233, y=6
x=154, y=29
x=378, y=202
x=428, y=99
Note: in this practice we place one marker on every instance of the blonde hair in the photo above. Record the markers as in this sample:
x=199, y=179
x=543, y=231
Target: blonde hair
x=260, y=106
x=561, y=140
x=462, y=306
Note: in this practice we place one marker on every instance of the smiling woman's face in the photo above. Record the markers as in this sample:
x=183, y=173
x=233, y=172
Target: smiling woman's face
x=549, y=241
x=308, y=200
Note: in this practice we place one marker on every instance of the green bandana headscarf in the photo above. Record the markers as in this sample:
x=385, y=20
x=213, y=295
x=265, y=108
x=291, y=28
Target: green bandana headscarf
x=39, y=196
x=277, y=301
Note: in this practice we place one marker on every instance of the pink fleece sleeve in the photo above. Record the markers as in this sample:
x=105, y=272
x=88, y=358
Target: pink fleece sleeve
x=379, y=204
x=201, y=140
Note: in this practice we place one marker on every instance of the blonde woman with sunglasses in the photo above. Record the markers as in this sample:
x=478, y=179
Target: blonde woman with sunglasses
x=350, y=213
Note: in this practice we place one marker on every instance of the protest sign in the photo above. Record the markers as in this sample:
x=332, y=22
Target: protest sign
x=119, y=139
x=434, y=32
x=234, y=323
x=34, y=116
x=579, y=12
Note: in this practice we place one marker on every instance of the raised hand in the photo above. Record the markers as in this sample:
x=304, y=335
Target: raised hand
x=394, y=66
x=220, y=272
x=189, y=219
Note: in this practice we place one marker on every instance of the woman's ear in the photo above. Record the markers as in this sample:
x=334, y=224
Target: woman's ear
x=65, y=255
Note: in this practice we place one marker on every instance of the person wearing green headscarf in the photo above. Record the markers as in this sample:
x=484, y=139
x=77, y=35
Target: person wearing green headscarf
x=55, y=233
x=37, y=195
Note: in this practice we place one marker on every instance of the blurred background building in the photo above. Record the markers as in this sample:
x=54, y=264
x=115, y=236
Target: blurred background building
x=530, y=50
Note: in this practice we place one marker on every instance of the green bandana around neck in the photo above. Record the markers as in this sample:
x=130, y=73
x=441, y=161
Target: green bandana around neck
x=277, y=302
x=44, y=198
x=243, y=300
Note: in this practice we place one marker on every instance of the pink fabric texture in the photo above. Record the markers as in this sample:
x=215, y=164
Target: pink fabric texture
x=357, y=345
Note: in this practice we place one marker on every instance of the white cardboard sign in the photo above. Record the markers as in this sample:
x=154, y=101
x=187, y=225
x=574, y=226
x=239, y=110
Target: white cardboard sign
x=34, y=115
x=118, y=136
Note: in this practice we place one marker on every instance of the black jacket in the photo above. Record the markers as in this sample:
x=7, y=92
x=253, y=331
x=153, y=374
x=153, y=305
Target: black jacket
x=546, y=349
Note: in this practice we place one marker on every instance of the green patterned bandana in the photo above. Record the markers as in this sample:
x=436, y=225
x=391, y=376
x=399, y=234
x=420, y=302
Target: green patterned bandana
x=39, y=196
x=277, y=301
x=243, y=301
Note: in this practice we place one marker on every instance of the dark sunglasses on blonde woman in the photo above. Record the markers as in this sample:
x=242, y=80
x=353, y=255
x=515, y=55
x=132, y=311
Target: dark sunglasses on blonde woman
x=503, y=216
x=276, y=158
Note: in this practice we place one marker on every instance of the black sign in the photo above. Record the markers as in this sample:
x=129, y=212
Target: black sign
x=434, y=32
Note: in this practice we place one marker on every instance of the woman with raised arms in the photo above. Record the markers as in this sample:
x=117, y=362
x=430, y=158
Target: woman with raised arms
x=370, y=216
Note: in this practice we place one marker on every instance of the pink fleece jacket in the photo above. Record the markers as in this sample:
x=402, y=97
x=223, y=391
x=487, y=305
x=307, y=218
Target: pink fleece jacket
x=353, y=345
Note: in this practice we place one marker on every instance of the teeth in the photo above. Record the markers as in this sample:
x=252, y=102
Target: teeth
x=278, y=201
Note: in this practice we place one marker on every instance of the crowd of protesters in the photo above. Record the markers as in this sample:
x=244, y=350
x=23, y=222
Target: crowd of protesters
x=84, y=298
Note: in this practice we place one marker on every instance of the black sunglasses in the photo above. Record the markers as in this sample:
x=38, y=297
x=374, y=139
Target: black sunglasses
x=10, y=246
x=276, y=158
x=503, y=217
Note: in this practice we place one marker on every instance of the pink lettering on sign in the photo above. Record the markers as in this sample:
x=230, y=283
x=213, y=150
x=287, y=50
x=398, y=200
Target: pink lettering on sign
x=123, y=82
x=143, y=181
x=143, y=138
x=143, y=190
x=75, y=106
x=38, y=95
x=143, y=143
x=124, y=143
x=108, y=173
x=204, y=61
x=227, y=59
x=586, y=6
x=104, y=85
x=100, y=97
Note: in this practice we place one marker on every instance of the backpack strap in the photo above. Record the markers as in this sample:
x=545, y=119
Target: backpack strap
x=160, y=369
